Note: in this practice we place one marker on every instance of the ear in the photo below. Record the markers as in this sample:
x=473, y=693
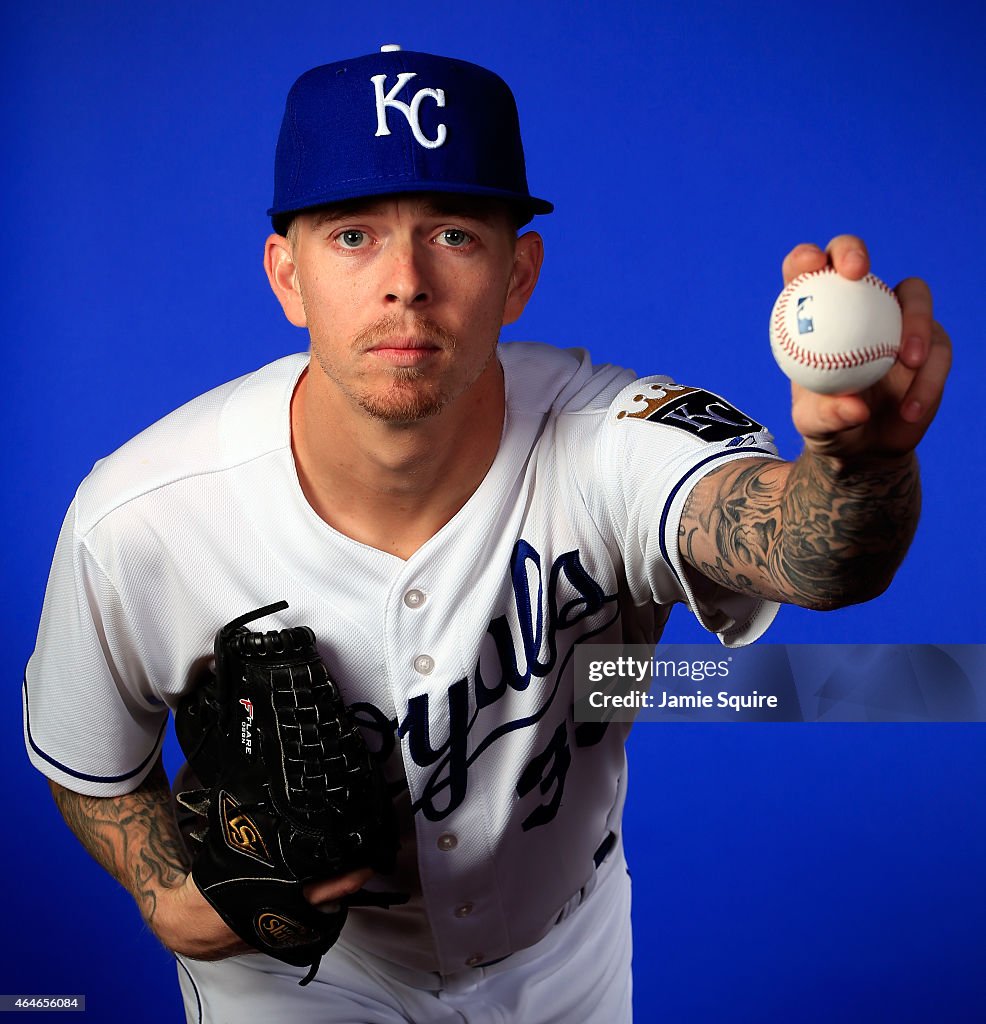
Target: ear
x=528, y=256
x=283, y=277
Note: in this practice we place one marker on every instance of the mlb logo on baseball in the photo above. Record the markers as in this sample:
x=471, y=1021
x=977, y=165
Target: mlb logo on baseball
x=805, y=323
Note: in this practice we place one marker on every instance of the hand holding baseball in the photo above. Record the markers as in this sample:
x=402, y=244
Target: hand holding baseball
x=890, y=416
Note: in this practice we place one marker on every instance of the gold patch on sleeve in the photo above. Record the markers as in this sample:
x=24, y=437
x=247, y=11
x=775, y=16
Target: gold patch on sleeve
x=653, y=397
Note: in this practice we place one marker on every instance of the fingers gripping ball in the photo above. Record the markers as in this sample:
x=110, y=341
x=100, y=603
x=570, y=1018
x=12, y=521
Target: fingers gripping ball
x=833, y=335
x=292, y=793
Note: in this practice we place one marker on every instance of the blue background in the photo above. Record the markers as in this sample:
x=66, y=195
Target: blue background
x=782, y=873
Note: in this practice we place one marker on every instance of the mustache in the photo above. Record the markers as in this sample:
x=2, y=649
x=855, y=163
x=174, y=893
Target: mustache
x=419, y=327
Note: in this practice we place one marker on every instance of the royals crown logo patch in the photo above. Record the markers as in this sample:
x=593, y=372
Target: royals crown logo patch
x=698, y=412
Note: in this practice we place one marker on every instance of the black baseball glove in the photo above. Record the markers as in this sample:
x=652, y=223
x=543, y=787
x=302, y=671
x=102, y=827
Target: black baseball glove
x=292, y=794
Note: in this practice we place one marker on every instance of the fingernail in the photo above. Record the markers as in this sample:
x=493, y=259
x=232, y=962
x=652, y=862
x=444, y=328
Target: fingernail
x=912, y=350
x=855, y=259
x=847, y=414
x=911, y=411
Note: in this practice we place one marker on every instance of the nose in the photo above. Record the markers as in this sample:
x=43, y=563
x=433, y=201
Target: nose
x=406, y=282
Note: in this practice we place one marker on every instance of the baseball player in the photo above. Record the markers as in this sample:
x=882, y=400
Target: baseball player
x=451, y=517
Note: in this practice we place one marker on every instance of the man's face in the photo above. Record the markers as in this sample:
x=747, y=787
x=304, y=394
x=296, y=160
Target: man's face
x=404, y=297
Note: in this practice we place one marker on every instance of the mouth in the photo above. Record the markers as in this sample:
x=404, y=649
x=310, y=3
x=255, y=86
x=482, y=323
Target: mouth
x=401, y=350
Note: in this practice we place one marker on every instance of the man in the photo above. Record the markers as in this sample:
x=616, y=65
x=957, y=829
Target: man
x=451, y=518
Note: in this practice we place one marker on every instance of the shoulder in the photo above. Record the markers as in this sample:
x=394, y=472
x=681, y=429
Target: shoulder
x=543, y=378
x=233, y=423
x=613, y=404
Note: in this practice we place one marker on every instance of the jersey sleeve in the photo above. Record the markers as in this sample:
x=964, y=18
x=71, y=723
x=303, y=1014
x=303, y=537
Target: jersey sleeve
x=658, y=440
x=90, y=722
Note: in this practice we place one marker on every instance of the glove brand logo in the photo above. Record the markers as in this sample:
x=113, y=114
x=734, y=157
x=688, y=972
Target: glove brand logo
x=281, y=932
x=241, y=832
x=409, y=110
x=246, y=726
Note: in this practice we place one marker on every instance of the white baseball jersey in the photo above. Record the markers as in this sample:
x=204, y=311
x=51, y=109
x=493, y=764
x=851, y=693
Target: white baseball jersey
x=458, y=661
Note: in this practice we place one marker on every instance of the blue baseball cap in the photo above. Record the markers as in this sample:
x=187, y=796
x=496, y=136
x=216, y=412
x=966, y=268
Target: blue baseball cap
x=399, y=121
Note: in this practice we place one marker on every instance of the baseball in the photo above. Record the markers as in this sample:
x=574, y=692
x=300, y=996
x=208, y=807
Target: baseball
x=835, y=336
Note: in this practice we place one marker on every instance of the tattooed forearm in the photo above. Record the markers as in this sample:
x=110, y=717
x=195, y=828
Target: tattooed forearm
x=817, y=532
x=134, y=837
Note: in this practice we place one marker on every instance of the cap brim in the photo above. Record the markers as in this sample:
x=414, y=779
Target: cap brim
x=527, y=204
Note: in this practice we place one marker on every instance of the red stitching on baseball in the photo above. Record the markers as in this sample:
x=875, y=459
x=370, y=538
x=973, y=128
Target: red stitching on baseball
x=829, y=360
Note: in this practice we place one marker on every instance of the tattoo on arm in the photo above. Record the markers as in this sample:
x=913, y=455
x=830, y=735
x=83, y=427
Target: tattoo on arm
x=816, y=532
x=134, y=837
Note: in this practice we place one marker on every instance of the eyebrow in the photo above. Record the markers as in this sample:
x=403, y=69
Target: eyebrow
x=450, y=205
x=344, y=211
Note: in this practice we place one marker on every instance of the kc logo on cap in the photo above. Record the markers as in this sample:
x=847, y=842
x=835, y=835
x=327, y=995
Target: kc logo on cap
x=409, y=110
x=399, y=121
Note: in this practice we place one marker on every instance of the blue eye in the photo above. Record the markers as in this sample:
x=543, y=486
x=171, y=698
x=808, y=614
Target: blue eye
x=352, y=239
x=456, y=238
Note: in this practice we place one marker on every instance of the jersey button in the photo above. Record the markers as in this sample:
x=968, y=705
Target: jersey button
x=424, y=664
x=463, y=910
x=475, y=960
x=414, y=599
x=447, y=841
